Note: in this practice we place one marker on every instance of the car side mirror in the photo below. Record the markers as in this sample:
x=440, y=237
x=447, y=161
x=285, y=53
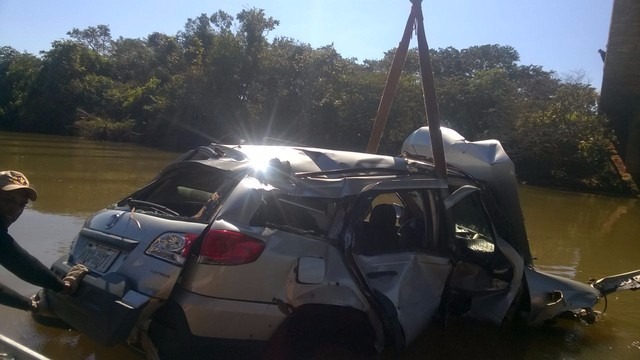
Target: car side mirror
x=461, y=193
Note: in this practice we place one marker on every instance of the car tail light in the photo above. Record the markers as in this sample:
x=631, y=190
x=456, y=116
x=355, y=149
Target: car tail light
x=224, y=247
x=172, y=247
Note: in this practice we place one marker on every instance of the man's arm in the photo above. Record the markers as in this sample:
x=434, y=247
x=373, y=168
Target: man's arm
x=11, y=298
x=25, y=266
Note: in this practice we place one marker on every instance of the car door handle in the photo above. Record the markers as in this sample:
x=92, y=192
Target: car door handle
x=379, y=274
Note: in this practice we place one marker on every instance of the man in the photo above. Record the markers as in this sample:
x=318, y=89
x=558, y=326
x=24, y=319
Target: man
x=15, y=193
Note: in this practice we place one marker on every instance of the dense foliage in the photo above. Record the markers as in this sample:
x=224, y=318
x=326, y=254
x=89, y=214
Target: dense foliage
x=222, y=79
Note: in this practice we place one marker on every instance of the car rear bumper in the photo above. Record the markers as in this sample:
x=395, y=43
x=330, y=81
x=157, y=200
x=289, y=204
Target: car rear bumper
x=104, y=308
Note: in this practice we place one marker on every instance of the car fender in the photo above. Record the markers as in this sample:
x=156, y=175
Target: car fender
x=322, y=280
x=552, y=295
x=305, y=286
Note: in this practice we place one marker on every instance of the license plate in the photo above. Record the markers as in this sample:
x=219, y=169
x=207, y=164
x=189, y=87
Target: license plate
x=98, y=257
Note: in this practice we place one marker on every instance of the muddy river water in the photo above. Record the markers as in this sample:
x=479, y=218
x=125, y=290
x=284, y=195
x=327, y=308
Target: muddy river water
x=575, y=235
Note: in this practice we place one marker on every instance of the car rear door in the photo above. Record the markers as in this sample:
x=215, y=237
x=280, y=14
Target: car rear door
x=399, y=255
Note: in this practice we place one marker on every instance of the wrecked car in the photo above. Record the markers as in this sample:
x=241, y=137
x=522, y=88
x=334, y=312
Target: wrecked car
x=295, y=252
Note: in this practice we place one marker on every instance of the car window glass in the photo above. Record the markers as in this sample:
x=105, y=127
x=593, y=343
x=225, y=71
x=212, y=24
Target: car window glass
x=301, y=215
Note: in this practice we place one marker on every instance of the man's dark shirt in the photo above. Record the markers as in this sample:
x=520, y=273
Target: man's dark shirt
x=25, y=266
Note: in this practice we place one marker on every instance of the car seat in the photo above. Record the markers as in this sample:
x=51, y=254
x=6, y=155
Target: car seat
x=382, y=233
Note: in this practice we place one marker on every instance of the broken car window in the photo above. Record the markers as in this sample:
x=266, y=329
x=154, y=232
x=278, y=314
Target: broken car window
x=472, y=228
x=184, y=191
x=311, y=216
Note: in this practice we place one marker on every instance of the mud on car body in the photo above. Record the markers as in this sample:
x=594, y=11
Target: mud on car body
x=293, y=252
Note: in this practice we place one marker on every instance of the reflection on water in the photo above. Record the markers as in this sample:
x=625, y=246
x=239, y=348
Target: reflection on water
x=74, y=176
x=592, y=235
x=574, y=235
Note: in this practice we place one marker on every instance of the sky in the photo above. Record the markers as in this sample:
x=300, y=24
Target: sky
x=560, y=35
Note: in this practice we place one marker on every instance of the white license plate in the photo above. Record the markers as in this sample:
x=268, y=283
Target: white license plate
x=97, y=256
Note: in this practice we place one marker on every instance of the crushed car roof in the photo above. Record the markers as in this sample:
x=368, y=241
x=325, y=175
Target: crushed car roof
x=312, y=171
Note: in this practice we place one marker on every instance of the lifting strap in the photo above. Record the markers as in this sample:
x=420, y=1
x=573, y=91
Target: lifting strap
x=416, y=21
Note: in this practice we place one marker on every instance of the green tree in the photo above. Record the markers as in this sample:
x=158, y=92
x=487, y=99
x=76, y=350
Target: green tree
x=17, y=73
x=96, y=38
x=565, y=141
x=64, y=83
x=132, y=61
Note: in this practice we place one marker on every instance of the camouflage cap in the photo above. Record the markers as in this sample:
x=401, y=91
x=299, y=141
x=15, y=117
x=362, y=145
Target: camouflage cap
x=13, y=180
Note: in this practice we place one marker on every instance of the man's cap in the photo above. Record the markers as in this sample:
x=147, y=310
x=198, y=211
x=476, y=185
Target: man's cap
x=13, y=180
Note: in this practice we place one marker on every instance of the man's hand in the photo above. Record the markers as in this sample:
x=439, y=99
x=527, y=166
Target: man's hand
x=40, y=305
x=35, y=307
x=73, y=278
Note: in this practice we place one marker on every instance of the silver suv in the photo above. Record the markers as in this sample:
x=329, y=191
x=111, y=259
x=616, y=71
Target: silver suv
x=293, y=252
